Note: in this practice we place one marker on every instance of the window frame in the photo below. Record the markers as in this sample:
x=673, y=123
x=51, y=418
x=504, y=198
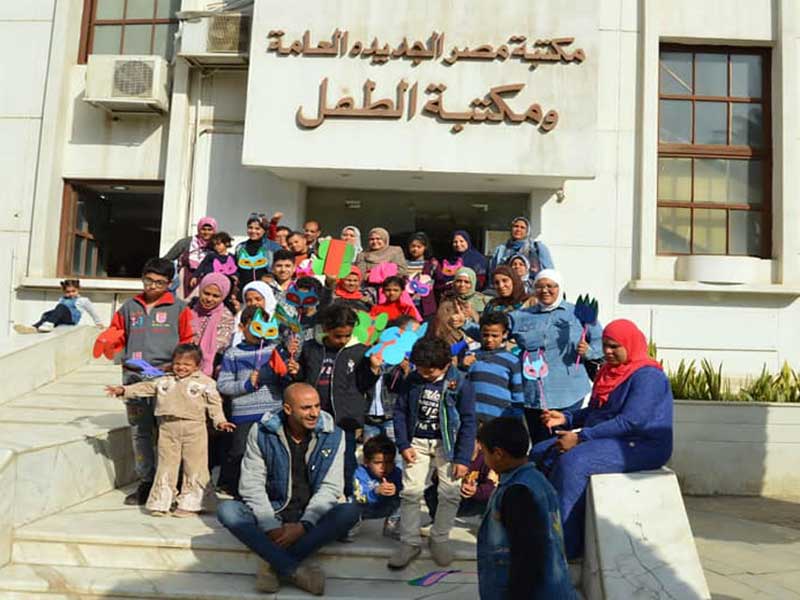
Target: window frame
x=89, y=21
x=67, y=228
x=719, y=151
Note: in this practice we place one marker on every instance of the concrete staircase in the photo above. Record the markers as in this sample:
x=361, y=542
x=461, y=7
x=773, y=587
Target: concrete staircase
x=65, y=457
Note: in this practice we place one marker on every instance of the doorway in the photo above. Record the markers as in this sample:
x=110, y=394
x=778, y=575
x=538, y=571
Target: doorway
x=436, y=213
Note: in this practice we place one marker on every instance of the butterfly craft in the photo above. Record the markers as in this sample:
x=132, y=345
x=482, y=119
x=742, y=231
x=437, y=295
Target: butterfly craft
x=146, y=370
x=395, y=344
x=251, y=262
x=226, y=266
x=109, y=343
x=449, y=268
x=262, y=328
x=334, y=259
x=586, y=311
x=419, y=284
x=380, y=272
x=304, y=269
x=368, y=329
x=535, y=369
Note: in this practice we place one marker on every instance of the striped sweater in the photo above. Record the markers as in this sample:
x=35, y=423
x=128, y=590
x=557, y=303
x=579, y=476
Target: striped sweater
x=497, y=379
x=250, y=403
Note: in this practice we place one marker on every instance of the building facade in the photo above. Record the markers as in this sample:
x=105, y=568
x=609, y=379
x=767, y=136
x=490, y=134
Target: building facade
x=653, y=145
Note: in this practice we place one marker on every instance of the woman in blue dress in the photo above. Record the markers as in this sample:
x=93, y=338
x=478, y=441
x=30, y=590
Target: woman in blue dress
x=626, y=427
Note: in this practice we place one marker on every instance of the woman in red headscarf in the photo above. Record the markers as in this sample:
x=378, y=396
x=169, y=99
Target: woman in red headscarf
x=626, y=427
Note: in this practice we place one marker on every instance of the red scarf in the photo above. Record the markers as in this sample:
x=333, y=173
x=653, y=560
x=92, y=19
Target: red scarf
x=609, y=377
x=340, y=292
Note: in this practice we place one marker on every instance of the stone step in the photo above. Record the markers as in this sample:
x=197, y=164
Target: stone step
x=32, y=582
x=69, y=443
x=104, y=533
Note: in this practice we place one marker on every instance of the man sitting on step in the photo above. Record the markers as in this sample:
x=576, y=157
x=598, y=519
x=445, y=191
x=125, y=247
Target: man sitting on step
x=292, y=478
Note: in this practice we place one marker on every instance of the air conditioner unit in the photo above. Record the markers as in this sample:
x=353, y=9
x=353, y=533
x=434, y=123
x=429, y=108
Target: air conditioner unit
x=128, y=83
x=216, y=39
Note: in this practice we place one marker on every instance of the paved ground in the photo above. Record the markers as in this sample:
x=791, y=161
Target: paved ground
x=749, y=547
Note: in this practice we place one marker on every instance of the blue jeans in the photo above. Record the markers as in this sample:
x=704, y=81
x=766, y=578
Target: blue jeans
x=350, y=462
x=380, y=510
x=237, y=517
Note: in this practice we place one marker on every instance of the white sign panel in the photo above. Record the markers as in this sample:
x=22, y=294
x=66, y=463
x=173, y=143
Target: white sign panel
x=424, y=86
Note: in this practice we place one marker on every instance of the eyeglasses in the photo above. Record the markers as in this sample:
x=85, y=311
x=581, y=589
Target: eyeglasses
x=158, y=283
x=541, y=288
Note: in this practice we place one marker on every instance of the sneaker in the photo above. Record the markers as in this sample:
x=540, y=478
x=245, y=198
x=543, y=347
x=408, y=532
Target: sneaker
x=139, y=497
x=158, y=513
x=182, y=514
x=391, y=527
x=309, y=579
x=20, y=328
x=404, y=554
x=266, y=579
x=350, y=536
x=46, y=327
x=441, y=553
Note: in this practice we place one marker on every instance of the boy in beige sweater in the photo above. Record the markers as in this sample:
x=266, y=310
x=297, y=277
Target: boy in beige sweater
x=183, y=399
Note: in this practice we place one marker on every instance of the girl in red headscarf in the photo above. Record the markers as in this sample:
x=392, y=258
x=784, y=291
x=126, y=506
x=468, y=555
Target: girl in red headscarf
x=626, y=427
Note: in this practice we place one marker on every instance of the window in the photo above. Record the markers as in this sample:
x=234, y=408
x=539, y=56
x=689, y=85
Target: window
x=714, y=151
x=109, y=229
x=128, y=27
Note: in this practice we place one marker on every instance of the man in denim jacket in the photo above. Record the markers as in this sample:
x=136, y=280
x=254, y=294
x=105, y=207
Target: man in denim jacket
x=291, y=481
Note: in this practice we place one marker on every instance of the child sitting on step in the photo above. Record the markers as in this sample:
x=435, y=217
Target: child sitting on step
x=183, y=399
x=68, y=311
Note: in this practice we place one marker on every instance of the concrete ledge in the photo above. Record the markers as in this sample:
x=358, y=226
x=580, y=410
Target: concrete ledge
x=638, y=540
x=31, y=361
x=734, y=448
x=7, y=481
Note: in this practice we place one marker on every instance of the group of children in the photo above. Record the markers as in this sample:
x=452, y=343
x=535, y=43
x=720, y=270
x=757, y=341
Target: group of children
x=261, y=319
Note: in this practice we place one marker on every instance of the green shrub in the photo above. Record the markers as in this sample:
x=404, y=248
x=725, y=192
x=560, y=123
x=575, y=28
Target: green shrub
x=707, y=383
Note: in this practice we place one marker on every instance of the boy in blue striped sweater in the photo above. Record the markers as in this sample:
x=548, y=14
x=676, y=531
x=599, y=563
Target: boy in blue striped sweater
x=495, y=373
x=248, y=379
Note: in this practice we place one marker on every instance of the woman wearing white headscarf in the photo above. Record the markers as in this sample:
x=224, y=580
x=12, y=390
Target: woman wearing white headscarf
x=255, y=293
x=549, y=330
x=352, y=235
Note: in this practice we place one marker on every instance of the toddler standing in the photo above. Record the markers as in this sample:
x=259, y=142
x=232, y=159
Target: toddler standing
x=183, y=399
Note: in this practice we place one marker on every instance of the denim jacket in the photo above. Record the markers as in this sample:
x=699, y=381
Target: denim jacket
x=494, y=551
x=556, y=334
x=266, y=481
x=456, y=411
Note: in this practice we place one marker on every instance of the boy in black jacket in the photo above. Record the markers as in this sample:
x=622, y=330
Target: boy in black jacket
x=342, y=375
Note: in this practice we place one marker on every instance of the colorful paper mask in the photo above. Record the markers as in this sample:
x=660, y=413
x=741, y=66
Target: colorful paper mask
x=449, y=268
x=301, y=298
x=285, y=318
x=368, y=329
x=420, y=284
x=334, y=259
x=252, y=262
x=263, y=329
x=226, y=267
x=534, y=366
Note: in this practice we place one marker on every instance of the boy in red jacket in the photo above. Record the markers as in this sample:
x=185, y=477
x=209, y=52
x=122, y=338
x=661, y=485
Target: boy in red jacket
x=152, y=324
